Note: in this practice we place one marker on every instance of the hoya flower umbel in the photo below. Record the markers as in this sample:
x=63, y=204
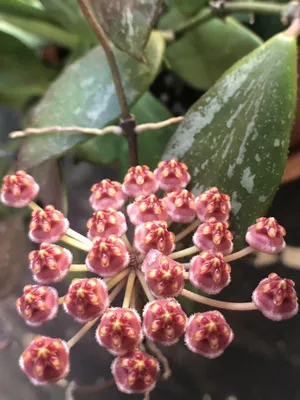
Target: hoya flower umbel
x=47, y=225
x=164, y=321
x=120, y=330
x=139, y=180
x=181, y=206
x=266, y=235
x=209, y=273
x=172, y=175
x=107, y=194
x=45, y=360
x=135, y=372
x=18, y=190
x=38, y=304
x=276, y=298
x=164, y=276
x=212, y=203
x=208, y=334
x=86, y=299
x=105, y=223
x=154, y=235
x=51, y=263
x=108, y=256
x=147, y=208
x=214, y=236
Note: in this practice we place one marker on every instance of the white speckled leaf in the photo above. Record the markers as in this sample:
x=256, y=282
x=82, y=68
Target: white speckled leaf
x=236, y=136
x=84, y=95
x=128, y=23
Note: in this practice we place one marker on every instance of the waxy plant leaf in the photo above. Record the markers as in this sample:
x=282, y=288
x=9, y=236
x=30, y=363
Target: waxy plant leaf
x=85, y=95
x=236, y=136
x=127, y=23
x=203, y=54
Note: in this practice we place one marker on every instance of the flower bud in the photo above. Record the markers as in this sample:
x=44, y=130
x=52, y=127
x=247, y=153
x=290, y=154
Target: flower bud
x=181, y=206
x=18, y=190
x=209, y=273
x=135, y=372
x=147, y=208
x=107, y=194
x=154, y=235
x=108, y=256
x=45, y=360
x=208, y=334
x=213, y=236
x=164, y=277
x=139, y=180
x=50, y=264
x=164, y=321
x=212, y=203
x=172, y=175
x=47, y=225
x=86, y=299
x=276, y=298
x=120, y=330
x=266, y=235
x=38, y=304
x=105, y=223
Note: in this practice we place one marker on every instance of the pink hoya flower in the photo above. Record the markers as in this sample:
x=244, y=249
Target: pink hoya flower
x=140, y=269
x=18, y=190
x=266, y=235
x=214, y=236
x=47, y=225
x=172, y=175
x=212, y=203
x=276, y=298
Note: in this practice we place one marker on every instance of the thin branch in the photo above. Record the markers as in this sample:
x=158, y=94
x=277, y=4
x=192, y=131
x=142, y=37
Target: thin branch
x=77, y=236
x=150, y=126
x=144, y=285
x=184, y=253
x=78, y=268
x=221, y=8
x=161, y=358
x=239, y=254
x=85, y=7
x=116, y=279
x=112, y=129
x=129, y=288
x=217, y=303
x=67, y=129
x=187, y=231
x=75, y=243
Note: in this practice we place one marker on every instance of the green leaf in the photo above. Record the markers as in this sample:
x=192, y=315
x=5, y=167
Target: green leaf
x=84, y=95
x=236, y=136
x=68, y=14
x=44, y=30
x=151, y=144
x=202, y=55
x=22, y=74
x=127, y=23
x=21, y=9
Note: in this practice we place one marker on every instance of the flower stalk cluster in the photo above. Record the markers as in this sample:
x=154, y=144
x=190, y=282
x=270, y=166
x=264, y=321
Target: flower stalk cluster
x=150, y=262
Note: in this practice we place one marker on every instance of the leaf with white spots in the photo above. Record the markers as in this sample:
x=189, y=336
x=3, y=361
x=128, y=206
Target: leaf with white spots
x=236, y=136
x=127, y=23
x=84, y=95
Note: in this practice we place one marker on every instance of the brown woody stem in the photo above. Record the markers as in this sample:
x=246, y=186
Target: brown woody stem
x=128, y=123
x=217, y=303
